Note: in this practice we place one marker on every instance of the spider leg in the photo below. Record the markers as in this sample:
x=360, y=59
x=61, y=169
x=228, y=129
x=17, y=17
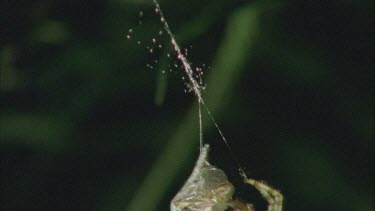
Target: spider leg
x=238, y=205
x=273, y=196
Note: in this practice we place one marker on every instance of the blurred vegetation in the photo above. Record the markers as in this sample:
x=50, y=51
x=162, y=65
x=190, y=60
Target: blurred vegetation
x=85, y=125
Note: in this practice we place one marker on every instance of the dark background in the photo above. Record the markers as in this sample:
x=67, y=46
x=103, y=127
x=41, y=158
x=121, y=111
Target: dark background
x=86, y=125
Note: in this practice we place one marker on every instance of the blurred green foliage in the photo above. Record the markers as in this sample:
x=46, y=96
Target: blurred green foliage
x=85, y=125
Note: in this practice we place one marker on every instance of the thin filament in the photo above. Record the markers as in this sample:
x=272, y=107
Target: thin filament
x=200, y=126
x=196, y=88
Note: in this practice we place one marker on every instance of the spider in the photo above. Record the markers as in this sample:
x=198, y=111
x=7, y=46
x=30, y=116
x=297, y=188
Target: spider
x=208, y=189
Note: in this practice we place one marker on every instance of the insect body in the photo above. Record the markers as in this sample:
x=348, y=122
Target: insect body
x=208, y=189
